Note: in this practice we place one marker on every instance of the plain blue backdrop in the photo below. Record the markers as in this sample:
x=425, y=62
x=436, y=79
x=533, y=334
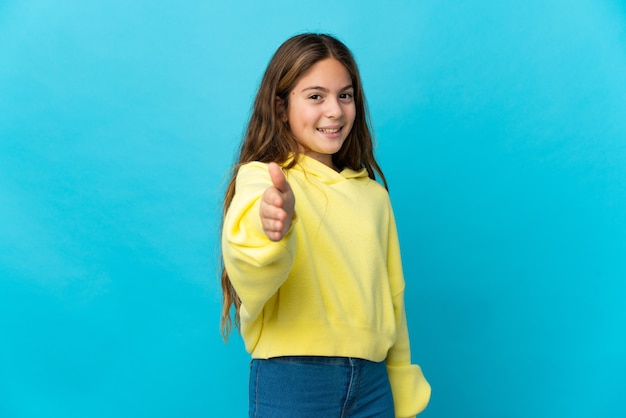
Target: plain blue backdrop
x=501, y=127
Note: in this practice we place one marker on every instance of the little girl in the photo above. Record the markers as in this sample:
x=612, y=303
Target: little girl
x=310, y=248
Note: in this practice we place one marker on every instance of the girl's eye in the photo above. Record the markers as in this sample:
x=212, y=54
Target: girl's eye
x=346, y=96
x=315, y=97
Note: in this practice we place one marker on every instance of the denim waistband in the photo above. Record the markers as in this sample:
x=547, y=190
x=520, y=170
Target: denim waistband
x=319, y=360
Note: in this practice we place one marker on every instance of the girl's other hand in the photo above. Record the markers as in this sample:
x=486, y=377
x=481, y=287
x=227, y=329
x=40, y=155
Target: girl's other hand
x=277, y=205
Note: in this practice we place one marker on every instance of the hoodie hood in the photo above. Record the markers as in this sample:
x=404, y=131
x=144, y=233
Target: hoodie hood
x=311, y=166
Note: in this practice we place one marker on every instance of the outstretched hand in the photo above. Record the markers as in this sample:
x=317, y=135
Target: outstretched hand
x=277, y=205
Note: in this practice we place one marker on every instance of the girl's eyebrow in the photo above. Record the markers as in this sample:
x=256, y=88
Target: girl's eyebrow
x=324, y=89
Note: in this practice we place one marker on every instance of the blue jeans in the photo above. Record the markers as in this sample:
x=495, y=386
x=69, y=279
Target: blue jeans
x=319, y=387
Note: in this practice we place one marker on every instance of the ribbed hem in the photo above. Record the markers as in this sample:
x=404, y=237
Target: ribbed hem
x=315, y=339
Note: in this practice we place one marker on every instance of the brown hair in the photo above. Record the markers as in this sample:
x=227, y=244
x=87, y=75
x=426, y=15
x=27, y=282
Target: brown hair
x=268, y=137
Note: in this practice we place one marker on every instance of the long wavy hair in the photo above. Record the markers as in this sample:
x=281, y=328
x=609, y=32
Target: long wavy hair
x=268, y=137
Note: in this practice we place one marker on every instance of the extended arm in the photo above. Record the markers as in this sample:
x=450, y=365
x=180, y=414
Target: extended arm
x=411, y=390
x=258, y=244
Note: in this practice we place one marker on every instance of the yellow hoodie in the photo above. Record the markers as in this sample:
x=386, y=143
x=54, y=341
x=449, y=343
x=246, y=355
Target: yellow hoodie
x=333, y=286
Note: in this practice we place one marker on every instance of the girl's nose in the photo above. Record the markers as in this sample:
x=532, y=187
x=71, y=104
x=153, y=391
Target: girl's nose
x=333, y=108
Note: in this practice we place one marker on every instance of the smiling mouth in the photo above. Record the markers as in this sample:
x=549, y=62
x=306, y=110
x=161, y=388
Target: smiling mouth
x=329, y=130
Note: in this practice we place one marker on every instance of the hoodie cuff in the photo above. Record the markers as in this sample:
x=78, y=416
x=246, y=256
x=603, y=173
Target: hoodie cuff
x=411, y=391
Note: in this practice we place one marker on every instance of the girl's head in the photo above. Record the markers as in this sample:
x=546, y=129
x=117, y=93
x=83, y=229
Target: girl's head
x=281, y=119
x=270, y=137
x=320, y=110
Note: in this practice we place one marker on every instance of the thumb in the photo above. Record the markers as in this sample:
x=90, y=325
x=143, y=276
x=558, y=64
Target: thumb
x=278, y=178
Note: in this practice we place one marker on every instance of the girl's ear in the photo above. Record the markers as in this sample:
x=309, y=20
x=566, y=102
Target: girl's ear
x=281, y=109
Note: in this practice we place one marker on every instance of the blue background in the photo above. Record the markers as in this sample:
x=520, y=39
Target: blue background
x=501, y=127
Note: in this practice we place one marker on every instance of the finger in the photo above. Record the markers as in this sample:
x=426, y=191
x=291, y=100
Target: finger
x=274, y=236
x=272, y=213
x=273, y=229
x=271, y=225
x=272, y=198
x=278, y=178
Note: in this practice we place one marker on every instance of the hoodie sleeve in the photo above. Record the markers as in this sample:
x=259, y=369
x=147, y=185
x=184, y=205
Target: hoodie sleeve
x=411, y=390
x=256, y=266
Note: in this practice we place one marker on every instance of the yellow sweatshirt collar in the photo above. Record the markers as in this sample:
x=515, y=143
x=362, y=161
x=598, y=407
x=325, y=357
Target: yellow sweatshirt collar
x=326, y=174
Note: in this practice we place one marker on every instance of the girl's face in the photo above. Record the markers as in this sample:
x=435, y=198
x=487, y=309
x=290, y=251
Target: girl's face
x=321, y=110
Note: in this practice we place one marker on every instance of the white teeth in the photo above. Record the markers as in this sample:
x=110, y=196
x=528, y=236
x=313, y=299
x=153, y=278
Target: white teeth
x=328, y=131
